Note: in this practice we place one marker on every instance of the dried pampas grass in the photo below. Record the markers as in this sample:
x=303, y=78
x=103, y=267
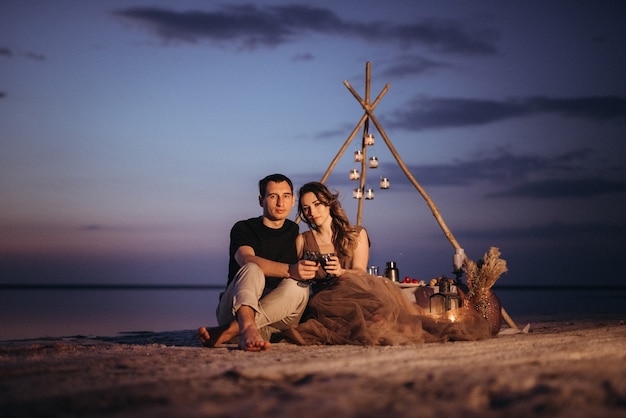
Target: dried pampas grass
x=484, y=274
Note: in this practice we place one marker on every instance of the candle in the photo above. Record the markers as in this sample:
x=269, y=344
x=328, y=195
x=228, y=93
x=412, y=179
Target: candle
x=373, y=162
x=357, y=193
x=384, y=183
x=369, y=139
x=354, y=174
x=369, y=194
x=358, y=156
x=457, y=259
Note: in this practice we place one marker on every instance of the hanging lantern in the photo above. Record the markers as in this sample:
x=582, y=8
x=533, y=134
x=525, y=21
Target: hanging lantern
x=357, y=193
x=384, y=183
x=373, y=162
x=369, y=139
x=445, y=300
x=369, y=193
x=354, y=174
x=458, y=258
x=358, y=156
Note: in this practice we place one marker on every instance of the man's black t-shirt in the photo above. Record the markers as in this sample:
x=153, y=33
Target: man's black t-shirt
x=273, y=244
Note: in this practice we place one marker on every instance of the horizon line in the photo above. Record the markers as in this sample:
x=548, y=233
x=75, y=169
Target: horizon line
x=155, y=286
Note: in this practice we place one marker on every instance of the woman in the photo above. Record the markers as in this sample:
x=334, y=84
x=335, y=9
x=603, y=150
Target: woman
x=357, y=308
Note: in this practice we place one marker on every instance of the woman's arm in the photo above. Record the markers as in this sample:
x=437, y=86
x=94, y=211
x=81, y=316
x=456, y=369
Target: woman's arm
x=361, y=252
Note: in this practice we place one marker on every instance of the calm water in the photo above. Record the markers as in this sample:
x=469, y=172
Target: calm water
x=31, y=313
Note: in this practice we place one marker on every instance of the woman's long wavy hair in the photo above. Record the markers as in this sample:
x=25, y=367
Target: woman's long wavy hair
x=345, y=236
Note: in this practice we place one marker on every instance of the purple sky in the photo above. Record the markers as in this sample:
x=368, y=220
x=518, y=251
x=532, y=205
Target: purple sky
x=134, y=133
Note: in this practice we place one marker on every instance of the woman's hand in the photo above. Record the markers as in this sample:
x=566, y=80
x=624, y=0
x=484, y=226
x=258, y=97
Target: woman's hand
x=333, y=267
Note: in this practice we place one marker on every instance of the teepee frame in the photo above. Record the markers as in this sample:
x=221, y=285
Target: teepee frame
x=364, y=122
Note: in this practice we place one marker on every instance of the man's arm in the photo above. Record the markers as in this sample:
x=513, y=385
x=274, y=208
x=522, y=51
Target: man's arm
x=302, y=270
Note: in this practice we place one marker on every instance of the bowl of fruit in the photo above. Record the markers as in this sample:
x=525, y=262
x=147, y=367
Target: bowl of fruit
x=411, y=282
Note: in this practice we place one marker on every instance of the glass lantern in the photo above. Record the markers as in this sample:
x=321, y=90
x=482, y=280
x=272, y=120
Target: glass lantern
x=358, y=156
x=445, y=300
x=384, y=182
x=373, y=162
x=354, y=174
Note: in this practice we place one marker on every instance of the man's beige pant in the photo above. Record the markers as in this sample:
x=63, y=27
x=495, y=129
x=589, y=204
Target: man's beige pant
x=280, y=308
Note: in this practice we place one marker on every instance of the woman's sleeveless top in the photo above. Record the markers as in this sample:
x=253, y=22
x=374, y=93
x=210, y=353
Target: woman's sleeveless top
x=311, y=245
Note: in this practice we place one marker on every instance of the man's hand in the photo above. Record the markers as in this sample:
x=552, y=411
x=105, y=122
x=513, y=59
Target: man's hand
x=303, y=270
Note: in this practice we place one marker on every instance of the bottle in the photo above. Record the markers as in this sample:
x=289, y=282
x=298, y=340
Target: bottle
x=391, y=271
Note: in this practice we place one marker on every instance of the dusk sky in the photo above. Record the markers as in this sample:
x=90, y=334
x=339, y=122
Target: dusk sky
x=134, y=133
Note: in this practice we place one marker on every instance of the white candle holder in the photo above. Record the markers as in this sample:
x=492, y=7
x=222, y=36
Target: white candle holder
x=354, y=174
x=458, y=258
x=384, y=183
x=358, y=156
x=369, y=193
x=369, y=139
x=357, y=193
x=373, y=162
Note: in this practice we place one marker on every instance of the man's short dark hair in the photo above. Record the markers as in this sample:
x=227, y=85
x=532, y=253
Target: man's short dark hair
x=276, y=178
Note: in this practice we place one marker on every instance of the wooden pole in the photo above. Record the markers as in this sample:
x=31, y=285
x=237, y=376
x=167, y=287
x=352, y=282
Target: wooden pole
x=366, y=129
x=429, y=202
x=415, y=183
x=333, y=163
x=369, y=115
x=359, y=211
x=371, y=106
x=369, y=112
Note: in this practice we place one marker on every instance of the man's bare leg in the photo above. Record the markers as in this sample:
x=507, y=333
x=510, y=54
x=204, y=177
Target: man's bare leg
x=249, y=337
x=213, y=337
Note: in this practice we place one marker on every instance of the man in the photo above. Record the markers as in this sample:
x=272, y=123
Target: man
x=263, y=264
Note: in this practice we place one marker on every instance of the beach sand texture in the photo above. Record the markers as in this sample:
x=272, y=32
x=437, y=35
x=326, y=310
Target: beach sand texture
x=561, y=368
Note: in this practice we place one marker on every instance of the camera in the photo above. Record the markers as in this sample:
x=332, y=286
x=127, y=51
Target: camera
x=321, y=258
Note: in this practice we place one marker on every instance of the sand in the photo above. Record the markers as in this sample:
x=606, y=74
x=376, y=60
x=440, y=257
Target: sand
x=560, y=368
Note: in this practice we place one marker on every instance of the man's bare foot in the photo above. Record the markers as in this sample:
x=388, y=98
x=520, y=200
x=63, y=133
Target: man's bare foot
x=213, y=337
x=250, y=340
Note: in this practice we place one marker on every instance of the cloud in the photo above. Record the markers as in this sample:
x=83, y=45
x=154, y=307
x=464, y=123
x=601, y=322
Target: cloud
x=577, y=174
x=568, y=175
x=303, y=57
x=121, y=228
x=5, y=52
x=34, y=56
x=498, y=167
x=409, y=66
x=572, y=174
x=436, y=113
x=553, y=231
x=564, y=188
x=111, y=228
x=92, y=227
x=442, y=35
x=253, y=27
x=600, y=108
x=8, y=52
